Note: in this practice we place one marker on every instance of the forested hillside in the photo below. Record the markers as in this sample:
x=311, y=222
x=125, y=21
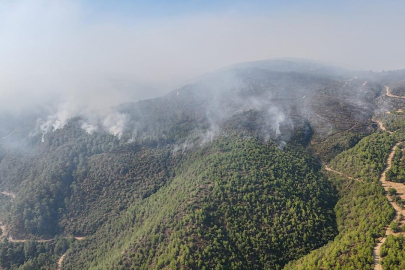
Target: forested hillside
x=234, y=203
x=362, y=211
x=367, y=159
x=223, y=173
x=397, y=171
x=393, y=252
x=32, y=254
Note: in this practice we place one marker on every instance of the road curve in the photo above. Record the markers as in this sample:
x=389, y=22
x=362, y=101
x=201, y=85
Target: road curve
x=381, y=125
x=386, y=185
x=401, y=192
x=388, y=93
x=60, y=261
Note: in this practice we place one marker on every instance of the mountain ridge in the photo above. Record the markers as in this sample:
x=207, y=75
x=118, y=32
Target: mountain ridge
x=164, y=192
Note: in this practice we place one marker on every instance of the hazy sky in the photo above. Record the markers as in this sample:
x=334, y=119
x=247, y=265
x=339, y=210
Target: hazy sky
x=98, y=53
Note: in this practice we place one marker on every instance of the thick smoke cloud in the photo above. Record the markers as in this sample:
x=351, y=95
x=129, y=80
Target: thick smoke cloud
x=56, y=54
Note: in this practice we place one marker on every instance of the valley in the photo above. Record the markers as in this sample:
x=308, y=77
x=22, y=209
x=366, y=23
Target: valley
x=387, y=185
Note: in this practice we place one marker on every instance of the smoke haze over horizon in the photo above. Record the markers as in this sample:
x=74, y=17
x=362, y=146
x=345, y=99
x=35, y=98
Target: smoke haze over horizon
x=81, y=56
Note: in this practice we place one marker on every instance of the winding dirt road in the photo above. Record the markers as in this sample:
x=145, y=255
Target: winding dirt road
x=400, y=188
x=398, y=211
x=10, y=238
x=381, y=125
x=60, y=261
x=386, y=185
x=388, y=93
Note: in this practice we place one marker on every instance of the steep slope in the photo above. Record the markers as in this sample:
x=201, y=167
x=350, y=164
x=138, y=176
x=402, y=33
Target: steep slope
x=362, y=211
x=366, y=160
x=236, y=203
x=108, y=183
x=43, y=178
x=31, y=254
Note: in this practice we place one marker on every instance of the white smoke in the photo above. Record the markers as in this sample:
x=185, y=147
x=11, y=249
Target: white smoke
x=115, y=124
x=57, y=119
x=210, y=135
x=277, y=117
x=107, y=120
x=89, y=128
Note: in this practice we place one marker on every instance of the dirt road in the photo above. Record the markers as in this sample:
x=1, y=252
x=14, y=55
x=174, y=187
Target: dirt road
x=60, y=261
x=381, y=125
x=10, y=239
x=342, y=174
x=388, y=93
x=386, y=185
x=401, y=192
x=9, y=194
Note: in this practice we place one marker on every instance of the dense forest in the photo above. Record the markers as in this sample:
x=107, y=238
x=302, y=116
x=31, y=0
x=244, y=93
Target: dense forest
x=362, y=211
x=198, y=216
x=393, y=252
x=32, y=255
x=397, y=171
x=394, y=120
x=367, y=159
